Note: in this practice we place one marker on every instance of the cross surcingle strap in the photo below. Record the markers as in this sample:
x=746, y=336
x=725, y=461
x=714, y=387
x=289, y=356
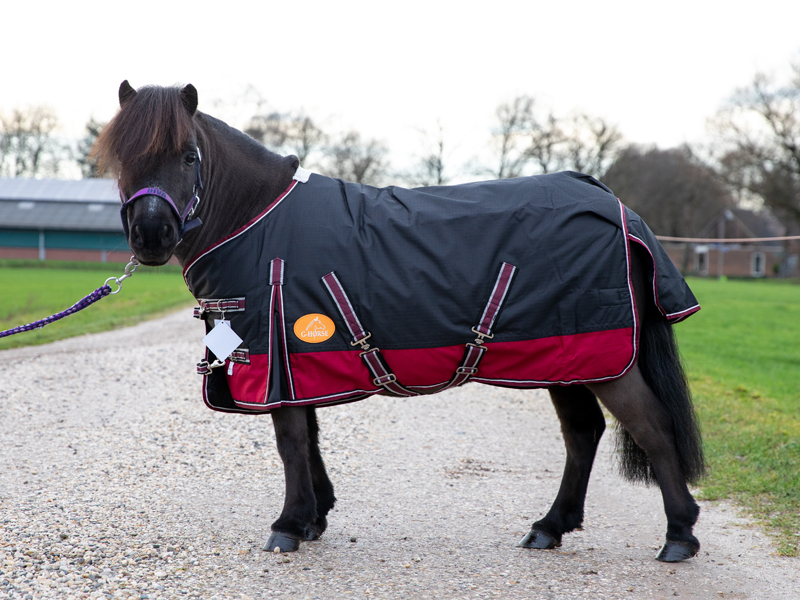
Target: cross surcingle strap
x=382, y=375
x=474, y=352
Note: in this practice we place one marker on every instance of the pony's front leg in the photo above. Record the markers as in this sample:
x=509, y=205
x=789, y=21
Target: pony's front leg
x=297, y=521
x=323, y=488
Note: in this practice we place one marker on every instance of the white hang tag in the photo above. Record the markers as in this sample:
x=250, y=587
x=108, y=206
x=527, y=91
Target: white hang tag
x=218, y=321
x=222, y=340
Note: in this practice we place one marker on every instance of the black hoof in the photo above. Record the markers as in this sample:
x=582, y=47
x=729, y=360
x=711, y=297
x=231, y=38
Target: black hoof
x=281, y=541
x=677, y=551
x=539, y=540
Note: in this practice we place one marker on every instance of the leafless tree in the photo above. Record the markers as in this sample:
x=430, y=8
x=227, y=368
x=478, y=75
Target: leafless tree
x=288, y=133
x=27, y=145
x=589, y=144
x=672, y=190
x=545, y=140
x=758, y=142
x=514, y=124
x=430, y=168
x=82, y=152
x=352, y=159
x=529, y=142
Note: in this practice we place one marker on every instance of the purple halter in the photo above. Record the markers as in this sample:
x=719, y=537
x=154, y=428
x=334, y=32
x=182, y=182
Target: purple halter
x=187, y=223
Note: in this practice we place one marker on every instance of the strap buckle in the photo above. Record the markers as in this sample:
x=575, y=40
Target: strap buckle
x=481, y=336
x=363, y=343
x=204, y=367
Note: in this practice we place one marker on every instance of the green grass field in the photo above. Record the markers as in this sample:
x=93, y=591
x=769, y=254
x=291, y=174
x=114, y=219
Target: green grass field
x=34, y=290
x=742, y=354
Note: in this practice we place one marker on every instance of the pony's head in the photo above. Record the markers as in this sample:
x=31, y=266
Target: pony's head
x=152, y=143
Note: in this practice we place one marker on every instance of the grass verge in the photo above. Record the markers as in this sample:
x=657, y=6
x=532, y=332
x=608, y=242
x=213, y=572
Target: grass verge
x=742, y=352
x=34, y=291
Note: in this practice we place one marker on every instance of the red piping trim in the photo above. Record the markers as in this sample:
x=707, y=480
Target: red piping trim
x=241, y=230
x=676, y=316
x=624, y=223
x=289, y=379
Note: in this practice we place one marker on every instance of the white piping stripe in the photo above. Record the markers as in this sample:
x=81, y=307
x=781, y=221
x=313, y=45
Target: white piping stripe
x=505, y=292
x=688, y=310
x=624, y=224
x=289, y=377
x=269, y=345
x=655, y=273
x=488, y=304
x=338, y=307
x=339, y=396
x=274, y=206
x=349, y=305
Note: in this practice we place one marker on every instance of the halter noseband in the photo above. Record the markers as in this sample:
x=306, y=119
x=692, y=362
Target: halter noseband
x=185, y=217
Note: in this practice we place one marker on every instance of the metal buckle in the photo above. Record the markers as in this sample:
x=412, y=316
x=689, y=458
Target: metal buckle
x=390, y=378
x=362, y=342
x=481, y=336
x=462, y=370
x=204, y=367
x=477, y=344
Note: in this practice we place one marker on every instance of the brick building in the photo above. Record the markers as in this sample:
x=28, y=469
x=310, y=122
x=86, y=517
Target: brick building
x=734, y=259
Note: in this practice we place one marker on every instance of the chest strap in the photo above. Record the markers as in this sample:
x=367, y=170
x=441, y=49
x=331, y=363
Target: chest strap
x=473, y=353
x=220, y=305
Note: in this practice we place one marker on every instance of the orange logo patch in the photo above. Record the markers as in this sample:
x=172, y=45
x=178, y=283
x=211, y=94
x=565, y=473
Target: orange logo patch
x=314, y=328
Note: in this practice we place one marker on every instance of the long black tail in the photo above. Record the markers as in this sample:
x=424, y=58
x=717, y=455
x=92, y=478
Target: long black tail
x=660, y=364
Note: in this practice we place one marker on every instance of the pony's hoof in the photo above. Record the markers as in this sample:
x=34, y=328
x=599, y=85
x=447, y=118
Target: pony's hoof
x=539, y=540
x=677, y=551
x=281, y=541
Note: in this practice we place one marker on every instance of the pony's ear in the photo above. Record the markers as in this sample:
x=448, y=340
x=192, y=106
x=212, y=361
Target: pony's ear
x=126, y=92
x=189, y=98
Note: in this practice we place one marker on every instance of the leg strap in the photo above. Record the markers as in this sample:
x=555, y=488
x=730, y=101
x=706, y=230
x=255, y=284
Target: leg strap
x=473, y=353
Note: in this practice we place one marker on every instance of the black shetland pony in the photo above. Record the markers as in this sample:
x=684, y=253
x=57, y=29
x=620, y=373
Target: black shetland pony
x=177, y=164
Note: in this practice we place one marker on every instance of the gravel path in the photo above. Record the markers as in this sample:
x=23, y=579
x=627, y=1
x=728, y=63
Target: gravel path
x=116, y=481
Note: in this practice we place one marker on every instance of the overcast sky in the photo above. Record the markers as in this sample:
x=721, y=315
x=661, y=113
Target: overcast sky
x=656, y=70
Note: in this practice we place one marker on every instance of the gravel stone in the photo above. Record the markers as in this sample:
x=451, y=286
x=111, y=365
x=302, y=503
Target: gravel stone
x=117, y=482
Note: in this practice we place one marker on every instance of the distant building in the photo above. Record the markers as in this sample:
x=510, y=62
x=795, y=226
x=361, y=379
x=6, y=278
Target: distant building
x=61, y=220
x=733, y=259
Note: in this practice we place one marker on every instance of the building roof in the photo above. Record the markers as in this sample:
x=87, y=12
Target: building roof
x=743, y=223
x=55, y=204
x=65, y=190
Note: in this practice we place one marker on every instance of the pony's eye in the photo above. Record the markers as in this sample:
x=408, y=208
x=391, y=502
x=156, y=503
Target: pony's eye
x=190, y=158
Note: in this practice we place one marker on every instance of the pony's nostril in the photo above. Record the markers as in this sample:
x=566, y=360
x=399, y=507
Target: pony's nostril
x=136, y=235
x=166, y=235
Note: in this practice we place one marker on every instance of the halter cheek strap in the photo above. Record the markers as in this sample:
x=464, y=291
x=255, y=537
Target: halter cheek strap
x=187, y=222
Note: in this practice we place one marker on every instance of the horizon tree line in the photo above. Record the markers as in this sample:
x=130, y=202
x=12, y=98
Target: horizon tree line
x=753, y=157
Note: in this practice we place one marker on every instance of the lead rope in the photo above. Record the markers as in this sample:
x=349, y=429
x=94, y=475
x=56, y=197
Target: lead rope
x=84, y=302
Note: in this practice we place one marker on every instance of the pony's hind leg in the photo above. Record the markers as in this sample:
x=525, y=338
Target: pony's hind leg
x=582, y=424
x=323, y=488
x=296, y=522
x=645, y=418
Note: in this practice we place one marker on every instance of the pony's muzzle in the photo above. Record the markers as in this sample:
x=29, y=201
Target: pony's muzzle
x=153, y=234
